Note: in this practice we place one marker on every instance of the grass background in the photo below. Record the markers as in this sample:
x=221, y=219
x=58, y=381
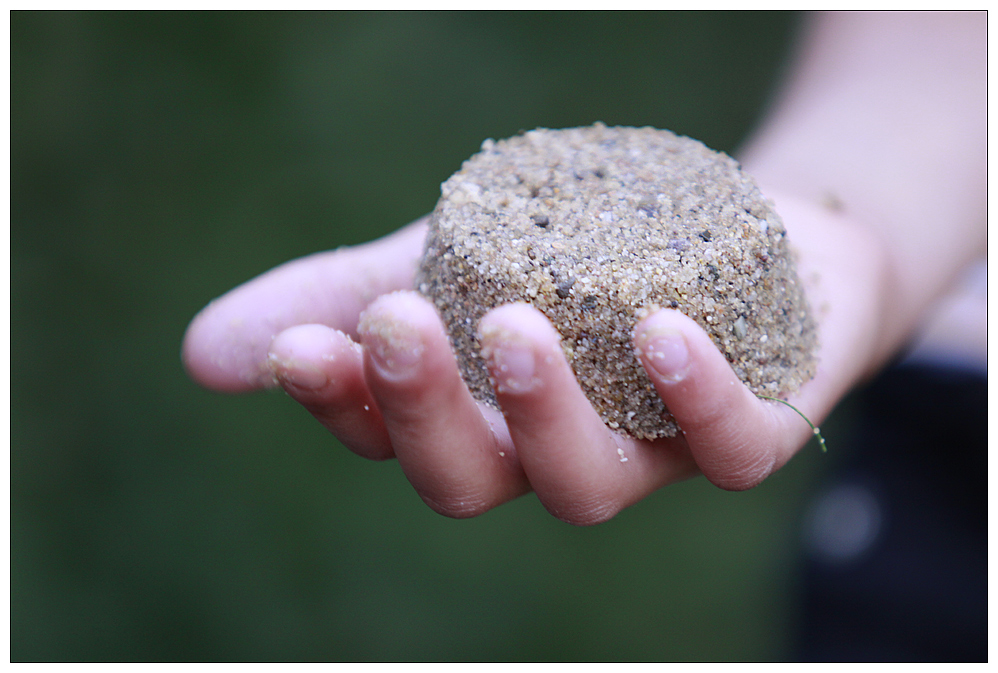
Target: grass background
x=157, y=160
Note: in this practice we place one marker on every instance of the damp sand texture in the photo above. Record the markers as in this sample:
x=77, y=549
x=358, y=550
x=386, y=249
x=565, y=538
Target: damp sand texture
x=596, y=226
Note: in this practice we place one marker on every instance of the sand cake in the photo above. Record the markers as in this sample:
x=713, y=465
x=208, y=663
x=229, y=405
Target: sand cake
x=595, y=226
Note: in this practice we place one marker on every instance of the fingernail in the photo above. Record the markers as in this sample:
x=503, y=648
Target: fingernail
x=665, y=354
x=298, y=374
x=510, y=360
x=395, y=347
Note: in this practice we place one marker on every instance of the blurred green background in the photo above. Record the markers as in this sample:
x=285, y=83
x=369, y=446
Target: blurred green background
x=158, y=160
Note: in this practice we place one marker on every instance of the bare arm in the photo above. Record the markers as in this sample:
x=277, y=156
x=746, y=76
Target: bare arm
x=884, y=119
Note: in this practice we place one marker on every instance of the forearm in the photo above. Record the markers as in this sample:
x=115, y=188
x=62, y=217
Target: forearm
x=885, y=118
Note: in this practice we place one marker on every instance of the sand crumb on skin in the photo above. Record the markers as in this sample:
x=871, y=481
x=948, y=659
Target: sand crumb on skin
x=598, y=226
x=397, y=344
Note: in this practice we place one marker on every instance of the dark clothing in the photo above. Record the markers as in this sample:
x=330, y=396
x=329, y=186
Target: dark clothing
x=897, y=547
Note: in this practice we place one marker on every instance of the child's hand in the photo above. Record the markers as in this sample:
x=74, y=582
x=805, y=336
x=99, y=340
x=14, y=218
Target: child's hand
x=374, y=366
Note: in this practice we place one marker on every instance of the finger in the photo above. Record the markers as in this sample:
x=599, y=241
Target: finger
x=323, y=370
x=225, y=347
x=459, y=461
x=736, y=439
x=582, y=472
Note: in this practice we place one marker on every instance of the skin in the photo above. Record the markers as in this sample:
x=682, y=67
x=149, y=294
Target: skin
x=882, y=111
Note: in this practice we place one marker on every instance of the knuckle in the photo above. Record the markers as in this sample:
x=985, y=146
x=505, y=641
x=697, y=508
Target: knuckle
x=588, y=510
x=457, y=506
x=734, y=449
x=741, y=469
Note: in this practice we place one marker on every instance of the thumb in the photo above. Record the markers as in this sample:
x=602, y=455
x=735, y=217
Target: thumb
x=226, y=345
